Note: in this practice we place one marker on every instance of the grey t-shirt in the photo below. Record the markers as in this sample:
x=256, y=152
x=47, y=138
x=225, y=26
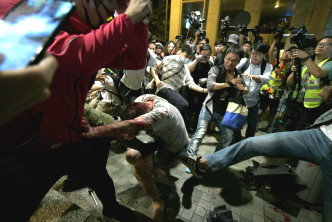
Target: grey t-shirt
x=167, y=123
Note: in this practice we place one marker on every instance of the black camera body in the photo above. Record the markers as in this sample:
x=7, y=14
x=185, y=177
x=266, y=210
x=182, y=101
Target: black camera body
x=202, y=34
x=300, y=36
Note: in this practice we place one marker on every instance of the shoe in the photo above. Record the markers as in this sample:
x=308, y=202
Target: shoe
x=188, y=170
x=70, y=185
x=191, y=162
x=119, y=212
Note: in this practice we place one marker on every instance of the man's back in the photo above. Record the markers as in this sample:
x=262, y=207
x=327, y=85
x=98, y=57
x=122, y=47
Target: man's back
x=166, y=122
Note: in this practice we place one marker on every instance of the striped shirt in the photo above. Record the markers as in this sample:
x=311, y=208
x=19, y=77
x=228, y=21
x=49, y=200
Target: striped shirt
x=172, y=64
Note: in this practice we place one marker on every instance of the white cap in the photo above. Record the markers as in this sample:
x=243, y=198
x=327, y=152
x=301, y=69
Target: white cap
x=233, y=38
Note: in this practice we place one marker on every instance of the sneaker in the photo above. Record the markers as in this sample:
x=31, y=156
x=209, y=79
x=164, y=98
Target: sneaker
x=188, y=170
x=191, y=162
x=119, y=212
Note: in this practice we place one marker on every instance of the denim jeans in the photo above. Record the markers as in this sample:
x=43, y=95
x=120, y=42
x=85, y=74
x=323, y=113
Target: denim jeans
x=203, y=123
x=309, y=145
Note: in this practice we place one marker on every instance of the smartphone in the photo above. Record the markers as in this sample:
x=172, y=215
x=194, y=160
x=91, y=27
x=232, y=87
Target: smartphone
x=28, y=29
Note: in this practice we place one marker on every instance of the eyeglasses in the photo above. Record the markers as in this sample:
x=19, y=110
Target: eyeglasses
x=322, y=44
x=232, y=60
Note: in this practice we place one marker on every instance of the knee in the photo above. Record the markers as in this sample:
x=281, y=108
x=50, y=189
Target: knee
x=132, y=156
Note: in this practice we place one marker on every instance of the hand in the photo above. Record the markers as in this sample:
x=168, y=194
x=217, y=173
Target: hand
x=248, y=76
x=202, y=81
x=300, y=54
x=236, y=81
x=139, y=10
x=239, y=86
x=102, y=78
x=93, y=94
x=150, y=85
x=277, y=71
x=326, y=94
x=160, y=84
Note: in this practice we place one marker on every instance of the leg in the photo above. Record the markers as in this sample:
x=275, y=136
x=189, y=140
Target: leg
x=176, y=100
x=92, y=155
x=252, y=120
x=144, y=173
x=225, y=133
x=202, y=126
x=298, y=144
x=25, y=179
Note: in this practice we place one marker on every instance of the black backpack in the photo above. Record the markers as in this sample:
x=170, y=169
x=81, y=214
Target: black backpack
x=220, y=214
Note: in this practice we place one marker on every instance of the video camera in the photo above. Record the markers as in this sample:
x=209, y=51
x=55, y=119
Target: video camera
x=195, y=20
x=300, y=36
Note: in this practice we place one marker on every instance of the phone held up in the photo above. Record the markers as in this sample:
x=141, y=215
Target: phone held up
x=28, y=29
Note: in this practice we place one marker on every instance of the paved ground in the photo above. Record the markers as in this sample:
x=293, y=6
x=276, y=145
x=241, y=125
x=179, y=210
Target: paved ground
x=188, y=199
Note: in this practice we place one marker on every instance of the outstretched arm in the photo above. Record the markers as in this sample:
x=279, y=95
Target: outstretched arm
x=124, y=130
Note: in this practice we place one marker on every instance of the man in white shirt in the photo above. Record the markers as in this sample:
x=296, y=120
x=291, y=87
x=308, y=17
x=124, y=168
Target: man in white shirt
x=131, y=81
x=164, y=123
x=256, y=72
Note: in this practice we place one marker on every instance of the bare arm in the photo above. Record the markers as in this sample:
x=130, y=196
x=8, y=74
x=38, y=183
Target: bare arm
x=124, y=130
x=23, y=88
x=314, y=69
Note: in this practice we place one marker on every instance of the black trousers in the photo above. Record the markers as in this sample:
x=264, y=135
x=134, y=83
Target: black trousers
x=27, y=177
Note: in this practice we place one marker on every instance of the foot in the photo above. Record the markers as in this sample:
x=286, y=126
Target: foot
x=191, y=162
x=119, y=212
x=158, y=211
x=70, y=185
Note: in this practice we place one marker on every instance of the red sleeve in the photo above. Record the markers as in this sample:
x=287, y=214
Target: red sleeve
x=119, y=44
x=6, y=6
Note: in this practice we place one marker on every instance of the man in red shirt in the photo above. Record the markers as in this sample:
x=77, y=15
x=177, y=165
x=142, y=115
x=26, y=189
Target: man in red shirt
x=44, y=143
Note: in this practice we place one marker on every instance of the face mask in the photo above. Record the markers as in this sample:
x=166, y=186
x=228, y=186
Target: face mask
x=185, y=60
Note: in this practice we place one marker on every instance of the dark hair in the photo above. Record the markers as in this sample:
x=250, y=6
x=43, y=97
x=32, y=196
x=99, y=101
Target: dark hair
x=247, y=42
x=325, y=37
x=200, y=38
x=151, y=43
x=260, y=47
x=291, y=48
x=220, y=42
x=166, y=48
x=235, y=49
x=189, y=48
x=205, y=47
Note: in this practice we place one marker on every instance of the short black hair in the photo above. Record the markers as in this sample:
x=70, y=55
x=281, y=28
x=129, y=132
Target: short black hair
x=235, y=49
x=220, y=42
x=189, y=48
x=200, y=38
x=326, y=37
x=261, y=47
x=247, y=42
x=205, y=47
x=291, y=48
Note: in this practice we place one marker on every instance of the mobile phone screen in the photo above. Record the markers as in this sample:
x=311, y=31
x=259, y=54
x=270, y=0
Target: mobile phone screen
x=28, y=29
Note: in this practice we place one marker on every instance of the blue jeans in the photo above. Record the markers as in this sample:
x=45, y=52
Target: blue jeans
x=203, y=122
x=309, y=145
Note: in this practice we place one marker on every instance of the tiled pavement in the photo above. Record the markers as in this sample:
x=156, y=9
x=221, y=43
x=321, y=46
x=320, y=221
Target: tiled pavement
x=245, y=205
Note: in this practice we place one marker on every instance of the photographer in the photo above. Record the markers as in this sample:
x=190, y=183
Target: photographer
x=315, y=74
x=201, y=67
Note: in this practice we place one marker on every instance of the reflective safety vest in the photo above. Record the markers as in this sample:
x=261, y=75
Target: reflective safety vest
x=275, y=83
x=314, y=87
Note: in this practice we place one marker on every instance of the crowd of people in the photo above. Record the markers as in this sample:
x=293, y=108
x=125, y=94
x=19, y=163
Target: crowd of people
x=102, y=81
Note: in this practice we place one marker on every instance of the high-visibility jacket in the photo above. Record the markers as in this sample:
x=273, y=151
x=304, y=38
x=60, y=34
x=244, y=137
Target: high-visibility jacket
x=275, y=83
x=314, y=87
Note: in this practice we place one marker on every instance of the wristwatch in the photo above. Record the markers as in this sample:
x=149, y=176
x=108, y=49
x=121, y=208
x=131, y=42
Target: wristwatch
x=305, y=59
